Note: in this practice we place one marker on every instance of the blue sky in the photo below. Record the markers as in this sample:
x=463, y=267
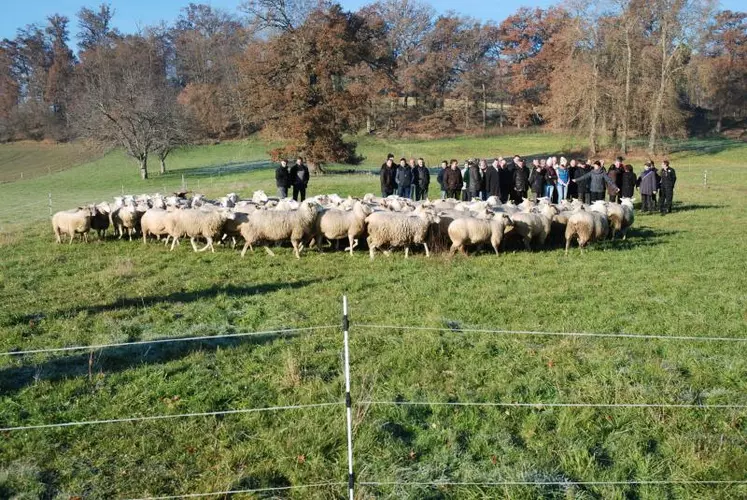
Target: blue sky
x=131, y=14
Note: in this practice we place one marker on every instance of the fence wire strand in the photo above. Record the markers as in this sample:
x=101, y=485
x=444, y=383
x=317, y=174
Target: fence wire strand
x=551, y=483
x=166, y=417
x=169, y=340
x=559, y=405
x=555, y=334
x=234, y=492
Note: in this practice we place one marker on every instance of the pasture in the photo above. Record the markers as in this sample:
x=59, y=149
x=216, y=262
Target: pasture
x=679, y=275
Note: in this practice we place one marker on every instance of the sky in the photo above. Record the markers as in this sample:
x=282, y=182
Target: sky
x=133, y=14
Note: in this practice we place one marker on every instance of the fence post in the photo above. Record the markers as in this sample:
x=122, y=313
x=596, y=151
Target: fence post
x=348, y=400
x=49, y=203
x=705, y=179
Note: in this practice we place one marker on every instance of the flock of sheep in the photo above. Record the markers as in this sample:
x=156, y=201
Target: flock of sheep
x=387, y=223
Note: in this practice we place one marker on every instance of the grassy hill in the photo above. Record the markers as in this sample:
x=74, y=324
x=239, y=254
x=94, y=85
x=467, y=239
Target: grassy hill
x=679, y=275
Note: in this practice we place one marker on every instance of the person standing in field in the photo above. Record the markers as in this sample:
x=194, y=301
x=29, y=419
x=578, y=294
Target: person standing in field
x=614, y=173
x=404, y=179
x=582, y=182
x=647, y=184
x=537, y=179
x=492, y=180
x=627, y=182
x=505, y=178
x=668, y=179
x=440, y=178
x=597, y=180
x=453, y=180
x=476, y=181
x=299, y=175
x=564, y=178
x=572, y=188
x=423, y=181
x=520, y=180
x=465, y=180
x=414, y=185
x=282, y=179
x=551, y=178
x=386, y=177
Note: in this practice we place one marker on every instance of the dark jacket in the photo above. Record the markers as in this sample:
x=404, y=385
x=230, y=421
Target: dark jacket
x=404, y=176
x=505, y=179
x=453, y=179
x=627, y=184
x=581, y=181
x=614, y=175
x=668, y=179
x=648, y=182
x=551, y=177
x=386, y=176
x=521, y=178
x=476, y=179
x=299, y=175
x=440, y=178
x=537, y=180
x=598, y=179
x=282, y=177
x=423, y=177
x=493, y=181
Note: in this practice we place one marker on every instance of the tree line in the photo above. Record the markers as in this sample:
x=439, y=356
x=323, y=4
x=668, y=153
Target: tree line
x=310, y=73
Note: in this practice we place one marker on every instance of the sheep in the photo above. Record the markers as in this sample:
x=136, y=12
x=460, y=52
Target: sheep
x=100, y=221
x=198, y=223
x=469, y=230
x=154, y=222
x=127, y=218
x=628, y=215
x=273, y=225
x=581, y=224
x=72, y=222
x=534, y=226
x=334, y=224
x=613, y=216
x=396, y=230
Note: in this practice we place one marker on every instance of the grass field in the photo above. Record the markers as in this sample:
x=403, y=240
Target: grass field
x=680, y=275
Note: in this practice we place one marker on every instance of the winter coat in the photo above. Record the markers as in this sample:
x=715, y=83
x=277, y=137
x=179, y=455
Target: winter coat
x=386, y=176
x=440, y=178
x=551, y=177
x=299, y=175
x=627, y=183
x=282, y=177
x=520, y=179
x=668, y=178
x=476, y=179
x=423, y=178
x=614, y=175
x=537, y=180
x=648, y=182
x=404, y=176
x=452, y=179
x=564, y=176
x=493, y=181
x=597, y=179
x=581, y=181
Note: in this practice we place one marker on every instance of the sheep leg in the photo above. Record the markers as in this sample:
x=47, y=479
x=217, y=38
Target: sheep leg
x=209, y=245
x=85, y=237
x=173, y=243
x=269, y=252
x=427, y=251
x=297, y=248
x=407, y=251
x=568, y=244
x=71, y=238
x=194, y=245
x=243, y=250
x=527, y=239
x=453, y=250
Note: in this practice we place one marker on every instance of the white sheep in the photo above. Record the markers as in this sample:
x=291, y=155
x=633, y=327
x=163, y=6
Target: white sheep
x=72, y=222
x=628, y=215
x=581, y=225
x=399, y=230
x=335, y=224
x=274, y=225
x=534, y=226
x=127, y=218
x=473, y=231
x=154, y=223
x=198, y=223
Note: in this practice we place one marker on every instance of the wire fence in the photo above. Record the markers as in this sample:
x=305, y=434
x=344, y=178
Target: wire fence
x=346, y=401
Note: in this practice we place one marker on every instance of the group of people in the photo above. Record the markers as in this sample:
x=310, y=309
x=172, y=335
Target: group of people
x=296, y=177
x=554, y=178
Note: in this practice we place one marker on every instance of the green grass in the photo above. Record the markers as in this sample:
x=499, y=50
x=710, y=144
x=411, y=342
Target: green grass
x=27, y=159
x=677, y=275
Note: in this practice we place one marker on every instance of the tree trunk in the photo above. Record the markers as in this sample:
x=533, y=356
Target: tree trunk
x=500, y=118
x=163, y=166
x=466, y=113
x=593, y=110
x=626, y=103
x=368, y=124
x=484, y=108
x=660, y=96
x=719, y=122
x=143, y=168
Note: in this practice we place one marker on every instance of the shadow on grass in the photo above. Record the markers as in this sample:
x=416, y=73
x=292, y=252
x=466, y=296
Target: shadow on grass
x=680, y=207
x=219, y=170
x=181, y=297
x=117, y=359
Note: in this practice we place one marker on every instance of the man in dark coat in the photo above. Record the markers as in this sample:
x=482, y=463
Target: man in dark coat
x=423, y=180
x=299, y=176
x=582, y=183
x=597, y=180
x=505, y=178
x=493, y=179
x=627, y=182
x=648, y=183
x=668, y=179
x=453, y=180
x=403, y=178
x=440, y=178
x=537, y=180
x=476, y=181
x=520, y=180
x=386, y=176
x=615, y=173
x=282, y=179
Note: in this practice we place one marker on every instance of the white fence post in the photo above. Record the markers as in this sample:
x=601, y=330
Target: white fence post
x=348, y=400
x=705, y=179
x=49, y=203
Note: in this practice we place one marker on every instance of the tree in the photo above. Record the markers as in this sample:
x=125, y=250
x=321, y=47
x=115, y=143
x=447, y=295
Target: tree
x=124, y=97
x=95, y=28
